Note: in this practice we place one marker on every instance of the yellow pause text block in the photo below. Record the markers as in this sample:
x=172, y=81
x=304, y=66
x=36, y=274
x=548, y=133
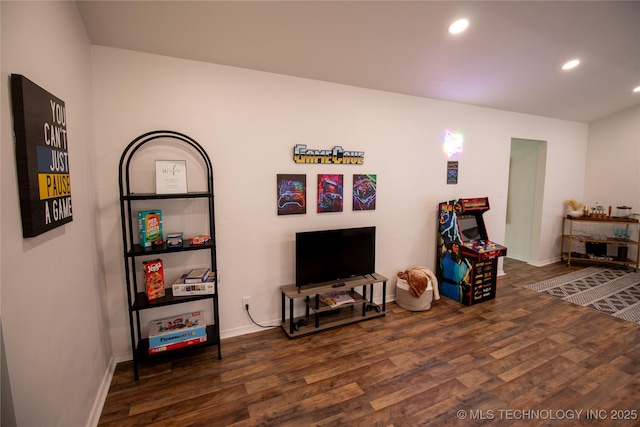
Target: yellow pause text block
x=54, y=185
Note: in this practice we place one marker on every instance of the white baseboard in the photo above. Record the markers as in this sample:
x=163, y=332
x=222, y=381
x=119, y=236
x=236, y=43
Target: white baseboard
x=123, y=357
x=536, y=263
x=545, y=262
x=103, y=391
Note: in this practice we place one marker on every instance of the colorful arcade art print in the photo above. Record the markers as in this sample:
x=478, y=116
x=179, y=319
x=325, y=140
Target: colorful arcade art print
x=330, y=193
x=292, y=194
x=42, y=157
x=364, y=192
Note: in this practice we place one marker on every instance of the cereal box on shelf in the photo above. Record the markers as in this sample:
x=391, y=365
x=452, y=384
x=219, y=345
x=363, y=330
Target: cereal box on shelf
x=176, y=329
x=154, y=279
x=150, y=227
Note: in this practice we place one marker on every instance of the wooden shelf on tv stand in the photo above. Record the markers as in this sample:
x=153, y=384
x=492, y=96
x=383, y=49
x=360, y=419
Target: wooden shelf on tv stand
x=319, y=316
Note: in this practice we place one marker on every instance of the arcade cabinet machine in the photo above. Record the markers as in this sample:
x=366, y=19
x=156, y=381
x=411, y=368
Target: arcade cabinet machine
x=467, y=261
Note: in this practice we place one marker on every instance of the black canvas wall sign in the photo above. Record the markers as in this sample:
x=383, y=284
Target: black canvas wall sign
x=42, y=160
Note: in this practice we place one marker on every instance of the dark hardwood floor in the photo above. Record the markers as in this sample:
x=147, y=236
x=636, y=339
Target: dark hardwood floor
x=521, y=359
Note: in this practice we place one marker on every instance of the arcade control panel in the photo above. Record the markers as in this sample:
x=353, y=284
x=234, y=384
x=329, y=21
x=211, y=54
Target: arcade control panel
x=484, y=249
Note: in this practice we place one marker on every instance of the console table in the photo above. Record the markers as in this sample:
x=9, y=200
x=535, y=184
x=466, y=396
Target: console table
x=568, y=233
x=320, y=316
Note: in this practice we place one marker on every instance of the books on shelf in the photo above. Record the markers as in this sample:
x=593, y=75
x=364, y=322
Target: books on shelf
x=197, y=275
x=336, y=298
x=206, y=287
x=177, y=331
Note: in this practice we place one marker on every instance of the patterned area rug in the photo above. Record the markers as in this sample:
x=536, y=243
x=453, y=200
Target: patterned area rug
x=614, y=291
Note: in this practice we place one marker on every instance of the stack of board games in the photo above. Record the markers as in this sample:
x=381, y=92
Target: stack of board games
x=175, y=332
x=180, y=288
x=197, y=275
x=154, y=279
x=150, y=228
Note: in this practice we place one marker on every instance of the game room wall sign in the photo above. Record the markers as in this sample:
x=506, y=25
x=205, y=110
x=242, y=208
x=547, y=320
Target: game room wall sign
x=42, y=157
x=337, y=155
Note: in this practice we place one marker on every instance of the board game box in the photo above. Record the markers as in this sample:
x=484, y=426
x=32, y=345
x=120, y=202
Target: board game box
x=197, y=275
x=154, y=278
x=176, y=345
x=174, y=240
x=172, y=330
x=203, y=288
x=150, y=227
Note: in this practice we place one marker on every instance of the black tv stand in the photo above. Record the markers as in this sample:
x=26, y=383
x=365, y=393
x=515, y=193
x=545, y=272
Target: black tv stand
x=363, y=307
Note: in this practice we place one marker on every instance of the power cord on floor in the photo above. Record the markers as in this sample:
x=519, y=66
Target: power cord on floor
x=246, y=306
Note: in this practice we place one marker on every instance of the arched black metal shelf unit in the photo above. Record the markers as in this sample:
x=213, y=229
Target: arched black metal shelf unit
x=136, y=298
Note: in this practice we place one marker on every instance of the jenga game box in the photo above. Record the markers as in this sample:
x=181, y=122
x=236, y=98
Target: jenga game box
x=154, y=279
x=150, y=227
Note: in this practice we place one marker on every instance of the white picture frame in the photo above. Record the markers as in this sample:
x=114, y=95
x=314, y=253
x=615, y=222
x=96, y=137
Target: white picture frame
x=171, y=176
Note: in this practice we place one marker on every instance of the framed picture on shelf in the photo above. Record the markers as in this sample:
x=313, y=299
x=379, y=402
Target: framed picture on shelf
x=171, y=176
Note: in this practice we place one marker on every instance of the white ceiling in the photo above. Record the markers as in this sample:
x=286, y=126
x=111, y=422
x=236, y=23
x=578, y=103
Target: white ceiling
x=508, y=59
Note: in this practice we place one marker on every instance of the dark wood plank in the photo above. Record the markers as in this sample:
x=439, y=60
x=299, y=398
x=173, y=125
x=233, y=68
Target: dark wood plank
x=521, y=351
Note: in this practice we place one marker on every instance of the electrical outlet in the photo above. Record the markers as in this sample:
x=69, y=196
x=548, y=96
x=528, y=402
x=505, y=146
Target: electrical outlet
x=245, y=302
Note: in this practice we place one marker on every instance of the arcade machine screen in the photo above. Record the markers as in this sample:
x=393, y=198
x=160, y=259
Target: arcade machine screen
x=469, y=230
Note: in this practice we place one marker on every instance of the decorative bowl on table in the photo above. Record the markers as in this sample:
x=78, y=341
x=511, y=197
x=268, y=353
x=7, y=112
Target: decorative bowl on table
x=624, y=211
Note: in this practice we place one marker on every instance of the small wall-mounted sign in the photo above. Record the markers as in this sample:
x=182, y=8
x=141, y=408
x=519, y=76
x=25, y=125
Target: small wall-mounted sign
x=337, y=155
x=42, y=157
x=452, y=172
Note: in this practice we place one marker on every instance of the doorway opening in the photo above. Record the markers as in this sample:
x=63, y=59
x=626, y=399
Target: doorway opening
x=527, y=163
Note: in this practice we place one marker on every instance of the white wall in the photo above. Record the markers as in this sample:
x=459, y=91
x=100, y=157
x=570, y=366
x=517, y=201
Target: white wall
x=249, y=123
x=612, y=176
x=54, y=322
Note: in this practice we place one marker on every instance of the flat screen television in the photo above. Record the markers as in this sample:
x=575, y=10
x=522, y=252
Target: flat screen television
x=327, y=255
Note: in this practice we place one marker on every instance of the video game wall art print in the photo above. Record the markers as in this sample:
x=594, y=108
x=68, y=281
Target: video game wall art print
x=42, y=157
x=364, y=192
x=292, y=194
x=330, y=193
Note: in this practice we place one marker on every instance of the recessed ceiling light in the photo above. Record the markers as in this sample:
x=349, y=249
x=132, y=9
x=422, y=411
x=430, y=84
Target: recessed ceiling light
x=571, y=64
x=637, y=89
x=458, y=26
